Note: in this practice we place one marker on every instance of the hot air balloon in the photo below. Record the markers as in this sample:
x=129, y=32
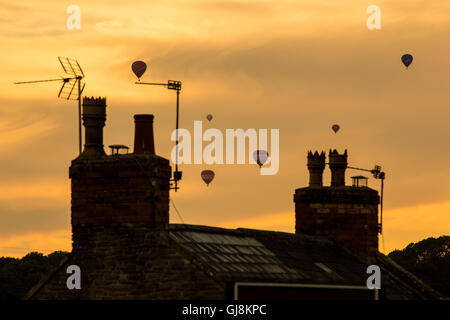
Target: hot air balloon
x=209, y=117
x=407, y=59
x=207, y=176
x=139, y=68
x=335, y=128
x=260, y=157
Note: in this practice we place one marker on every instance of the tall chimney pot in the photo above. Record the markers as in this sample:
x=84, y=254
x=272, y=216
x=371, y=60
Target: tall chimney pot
x=144, y=142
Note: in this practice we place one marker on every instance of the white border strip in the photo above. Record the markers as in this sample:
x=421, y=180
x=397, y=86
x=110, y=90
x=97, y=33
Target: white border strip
x=297, y=285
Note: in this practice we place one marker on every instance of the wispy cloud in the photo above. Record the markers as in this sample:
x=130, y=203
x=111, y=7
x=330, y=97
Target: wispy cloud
x=46, y=243
x=298, y=66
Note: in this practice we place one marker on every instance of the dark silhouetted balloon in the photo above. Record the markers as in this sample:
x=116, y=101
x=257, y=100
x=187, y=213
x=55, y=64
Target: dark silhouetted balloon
x=407, y=59
x=209, y=117
x=260, y=157
x=207, y=176
x=139, y=68
x=335, y=128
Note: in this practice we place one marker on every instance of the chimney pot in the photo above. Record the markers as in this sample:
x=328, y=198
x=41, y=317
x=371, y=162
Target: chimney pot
x=338, y=165
x=143, y=135
x=316, y=165
x=94, y=117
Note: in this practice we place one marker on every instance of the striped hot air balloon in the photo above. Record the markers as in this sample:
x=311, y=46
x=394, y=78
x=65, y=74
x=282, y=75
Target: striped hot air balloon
x=139, y=68
x=207, y=176
x=260, y=157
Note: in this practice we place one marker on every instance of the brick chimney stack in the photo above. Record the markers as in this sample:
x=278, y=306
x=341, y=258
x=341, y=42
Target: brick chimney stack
x=338, y=164
x=143, y=134
x=94, y=117
x=345, y=213
x=316, y=165
x=118, y=200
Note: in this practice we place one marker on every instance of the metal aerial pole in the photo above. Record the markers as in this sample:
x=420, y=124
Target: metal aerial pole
x=377, y=174
x=172, y=85
x=79, y=114
x=176, y=133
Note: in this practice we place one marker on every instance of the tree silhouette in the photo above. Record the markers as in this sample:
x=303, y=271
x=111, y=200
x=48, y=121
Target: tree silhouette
x=17, y=276
x=429, y=260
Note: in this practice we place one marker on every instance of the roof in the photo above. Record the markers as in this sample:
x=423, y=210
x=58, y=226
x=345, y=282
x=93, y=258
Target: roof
x=248, y=255
x=256, y=255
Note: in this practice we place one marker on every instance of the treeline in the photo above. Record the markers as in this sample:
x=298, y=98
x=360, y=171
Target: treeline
x=17, y=276
x=429, y=260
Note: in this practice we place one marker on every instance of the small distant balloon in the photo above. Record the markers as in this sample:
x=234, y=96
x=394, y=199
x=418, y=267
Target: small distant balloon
x=207, y=176
x=209, y=117
x=335, y=128
x=139, y=68
x=260, y=157
x=407, y=59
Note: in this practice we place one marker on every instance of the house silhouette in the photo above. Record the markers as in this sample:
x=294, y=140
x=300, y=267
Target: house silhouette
x=126, y=248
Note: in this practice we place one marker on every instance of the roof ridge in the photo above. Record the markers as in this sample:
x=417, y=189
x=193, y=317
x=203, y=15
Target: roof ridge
x=47, y=277
x=247, y=232
x=418, y=283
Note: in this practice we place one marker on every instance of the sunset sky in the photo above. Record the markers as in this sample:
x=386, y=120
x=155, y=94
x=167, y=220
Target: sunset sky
x=298, y=66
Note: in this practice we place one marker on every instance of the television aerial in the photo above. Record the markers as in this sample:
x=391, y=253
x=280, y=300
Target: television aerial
x=377, y=174
x=72, y=68
x=138, y=68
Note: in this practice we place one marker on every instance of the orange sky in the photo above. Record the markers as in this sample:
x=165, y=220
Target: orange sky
x=297, y=66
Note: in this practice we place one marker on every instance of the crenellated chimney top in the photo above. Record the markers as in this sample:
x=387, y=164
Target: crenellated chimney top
x=94, y=117
x=316, y=165
x=144, y=142
x=344, y=213
x=338, y=164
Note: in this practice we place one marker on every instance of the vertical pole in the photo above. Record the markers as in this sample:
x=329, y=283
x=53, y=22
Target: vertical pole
x=381, y=206
x=176, y=148
x=79, y=114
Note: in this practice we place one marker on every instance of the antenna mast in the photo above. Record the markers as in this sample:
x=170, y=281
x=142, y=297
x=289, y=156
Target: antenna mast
x=377, y=174
x=72, y=68
x=172, y=85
